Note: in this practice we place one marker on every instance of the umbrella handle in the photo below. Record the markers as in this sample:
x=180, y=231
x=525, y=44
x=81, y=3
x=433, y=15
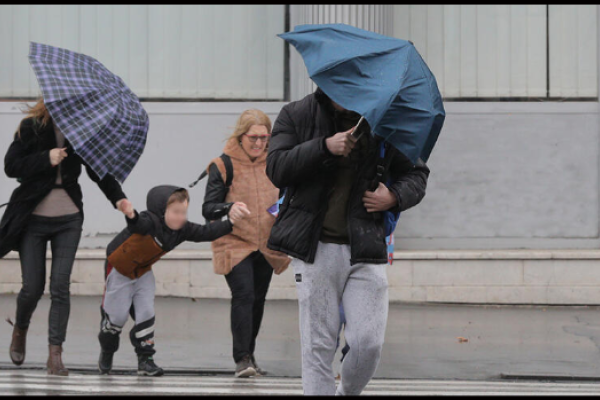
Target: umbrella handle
x=356, y=128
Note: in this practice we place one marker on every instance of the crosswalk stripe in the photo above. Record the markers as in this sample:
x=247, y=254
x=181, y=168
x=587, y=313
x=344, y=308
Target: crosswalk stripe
x=263, y=381
x=63, y=389
x=153, y=390
x=19, y=382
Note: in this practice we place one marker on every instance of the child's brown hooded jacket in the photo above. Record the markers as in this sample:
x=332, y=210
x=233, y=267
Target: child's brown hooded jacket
x=147, y=237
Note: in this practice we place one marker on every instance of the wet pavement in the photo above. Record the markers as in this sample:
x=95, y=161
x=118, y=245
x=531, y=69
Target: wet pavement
x=423, y=341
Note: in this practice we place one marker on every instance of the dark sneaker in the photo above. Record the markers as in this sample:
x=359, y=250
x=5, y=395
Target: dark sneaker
x=147, y=367
x=244, y=368
x=105, y=362
x=259, y=371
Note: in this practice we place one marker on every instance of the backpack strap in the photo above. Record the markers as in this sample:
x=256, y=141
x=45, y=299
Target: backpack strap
x=382, y=170
x=228, y=171
x=382, y=175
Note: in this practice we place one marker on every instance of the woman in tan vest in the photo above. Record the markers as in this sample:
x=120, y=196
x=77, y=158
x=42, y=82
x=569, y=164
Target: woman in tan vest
x=242, y=256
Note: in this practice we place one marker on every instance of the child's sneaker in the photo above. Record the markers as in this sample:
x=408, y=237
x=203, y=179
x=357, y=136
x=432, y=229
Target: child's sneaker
x=105, y=362
x=147, y=367
x=244, y=368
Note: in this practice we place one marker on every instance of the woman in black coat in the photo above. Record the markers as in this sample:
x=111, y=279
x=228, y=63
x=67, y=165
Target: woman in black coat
x=46, y=207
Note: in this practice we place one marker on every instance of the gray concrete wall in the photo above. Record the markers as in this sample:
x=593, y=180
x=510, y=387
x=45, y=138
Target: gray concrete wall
x=510, y=175
x=504, y=175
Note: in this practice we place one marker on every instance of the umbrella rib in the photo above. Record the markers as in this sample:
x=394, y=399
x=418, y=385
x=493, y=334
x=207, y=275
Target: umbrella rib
x=340, y=62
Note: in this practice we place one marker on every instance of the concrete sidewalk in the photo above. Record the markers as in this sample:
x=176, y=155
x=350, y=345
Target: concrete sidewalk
x=423, y=341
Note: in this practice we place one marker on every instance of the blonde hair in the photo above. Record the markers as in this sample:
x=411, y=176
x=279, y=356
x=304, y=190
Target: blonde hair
x=37, y=111
x=247, y=119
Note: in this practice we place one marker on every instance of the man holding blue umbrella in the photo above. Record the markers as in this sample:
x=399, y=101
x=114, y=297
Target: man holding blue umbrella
x=341, y=181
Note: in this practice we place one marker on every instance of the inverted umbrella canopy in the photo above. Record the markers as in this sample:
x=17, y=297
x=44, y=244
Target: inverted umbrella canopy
x=382, y=78
x=99, y=115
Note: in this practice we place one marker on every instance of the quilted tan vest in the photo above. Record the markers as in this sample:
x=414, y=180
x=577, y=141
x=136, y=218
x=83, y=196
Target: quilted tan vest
x=252, y=186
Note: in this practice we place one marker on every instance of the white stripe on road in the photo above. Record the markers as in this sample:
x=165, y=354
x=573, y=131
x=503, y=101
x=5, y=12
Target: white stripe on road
x=191, y=380
x=19, y=382
x=64, y=389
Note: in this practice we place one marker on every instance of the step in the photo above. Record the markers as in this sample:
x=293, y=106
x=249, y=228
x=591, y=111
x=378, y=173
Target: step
x=540, y=276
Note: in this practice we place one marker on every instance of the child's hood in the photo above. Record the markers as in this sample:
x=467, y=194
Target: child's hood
x=157, y=199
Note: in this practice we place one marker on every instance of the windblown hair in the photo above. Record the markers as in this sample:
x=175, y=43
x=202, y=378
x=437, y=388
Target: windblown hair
x=37, y=111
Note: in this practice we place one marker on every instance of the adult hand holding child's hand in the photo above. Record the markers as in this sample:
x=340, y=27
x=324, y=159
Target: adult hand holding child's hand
x=238, y=211
x=125, y=206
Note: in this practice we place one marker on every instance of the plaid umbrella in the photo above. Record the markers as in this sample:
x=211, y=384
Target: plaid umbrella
x=99, y=115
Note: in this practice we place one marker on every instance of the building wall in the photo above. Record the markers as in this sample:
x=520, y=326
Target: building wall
x=503, y=175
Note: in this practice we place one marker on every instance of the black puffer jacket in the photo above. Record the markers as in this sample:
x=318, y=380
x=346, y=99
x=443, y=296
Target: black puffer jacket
x=27, y=159
x=152, y=222
x=298, y=159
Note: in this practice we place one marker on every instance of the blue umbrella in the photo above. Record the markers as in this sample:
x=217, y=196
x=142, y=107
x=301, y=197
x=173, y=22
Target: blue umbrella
x=381, y=78
x=99, y=115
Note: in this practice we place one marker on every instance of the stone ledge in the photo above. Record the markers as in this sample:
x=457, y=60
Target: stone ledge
x=562, y=277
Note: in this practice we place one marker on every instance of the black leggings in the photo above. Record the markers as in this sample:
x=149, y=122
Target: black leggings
x=63, y=233
x=249, y=282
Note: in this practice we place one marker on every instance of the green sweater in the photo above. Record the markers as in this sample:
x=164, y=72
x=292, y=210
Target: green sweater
x=335, y=225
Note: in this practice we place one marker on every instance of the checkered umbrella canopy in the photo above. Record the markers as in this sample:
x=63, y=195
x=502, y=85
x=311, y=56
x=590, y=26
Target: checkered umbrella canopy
x=99, y=115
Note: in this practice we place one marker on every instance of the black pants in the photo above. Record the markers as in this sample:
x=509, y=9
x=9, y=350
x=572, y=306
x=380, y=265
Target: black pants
x=63, y=233
x=249, y=282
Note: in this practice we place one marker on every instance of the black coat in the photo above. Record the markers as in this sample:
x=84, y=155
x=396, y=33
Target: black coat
x=214, y=206
x=298, y=159
x=28, y=160
x=152, y=222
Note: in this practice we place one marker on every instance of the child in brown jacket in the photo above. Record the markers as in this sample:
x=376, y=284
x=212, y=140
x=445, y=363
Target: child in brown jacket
x=130, y=282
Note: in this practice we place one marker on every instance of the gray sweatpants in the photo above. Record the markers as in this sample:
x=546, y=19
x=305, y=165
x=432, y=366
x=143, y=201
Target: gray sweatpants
x=121, y=293
x=363, y=290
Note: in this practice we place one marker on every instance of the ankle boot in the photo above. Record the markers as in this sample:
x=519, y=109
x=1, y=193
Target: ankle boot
x=17, y=346
x=55, y=365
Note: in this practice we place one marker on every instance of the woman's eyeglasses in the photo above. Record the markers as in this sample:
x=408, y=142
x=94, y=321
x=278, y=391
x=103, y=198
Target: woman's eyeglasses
x=254, y=138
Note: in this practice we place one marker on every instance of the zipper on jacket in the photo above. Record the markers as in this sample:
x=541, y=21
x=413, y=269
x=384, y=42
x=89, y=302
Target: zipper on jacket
x=283, y=210
x=359, y=174
x=352, y=190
